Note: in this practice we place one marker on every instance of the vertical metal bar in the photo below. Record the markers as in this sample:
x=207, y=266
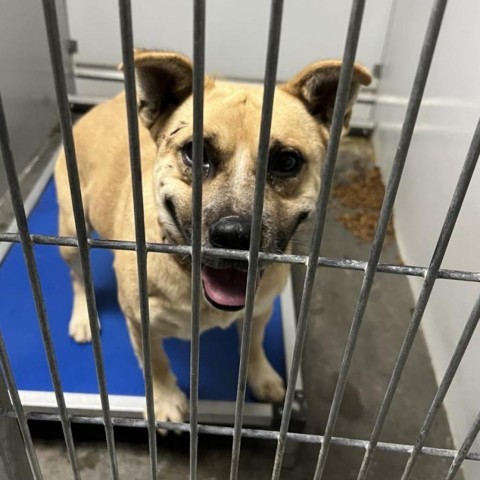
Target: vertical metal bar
x=260, y=181
x=14, y=452
x=197, y=177
x=138, y=209
x=53, y=36
x=5, y=467
x=427, y=287
x=457, y=356
x=464, y=449
x=340, y=106
x=385, y=213
x=35, y=285
x=18, y=409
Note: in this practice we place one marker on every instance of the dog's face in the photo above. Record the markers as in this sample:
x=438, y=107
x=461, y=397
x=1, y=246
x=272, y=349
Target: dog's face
x=232, y=112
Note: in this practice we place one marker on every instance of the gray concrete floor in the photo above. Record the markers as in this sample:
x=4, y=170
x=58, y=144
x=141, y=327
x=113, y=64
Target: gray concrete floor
x=333, y=304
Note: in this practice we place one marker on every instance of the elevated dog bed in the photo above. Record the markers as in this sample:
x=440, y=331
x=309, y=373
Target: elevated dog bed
x=219, y=350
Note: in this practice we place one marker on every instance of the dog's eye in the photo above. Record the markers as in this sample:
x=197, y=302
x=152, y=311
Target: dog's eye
x=284, y=163
x=187, y=156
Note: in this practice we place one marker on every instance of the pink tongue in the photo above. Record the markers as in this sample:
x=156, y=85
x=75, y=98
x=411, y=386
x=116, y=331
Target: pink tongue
x=225, y=286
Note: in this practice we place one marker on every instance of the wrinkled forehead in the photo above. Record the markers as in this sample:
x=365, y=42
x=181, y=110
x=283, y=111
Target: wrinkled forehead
x=234, y=111
x=232, y=115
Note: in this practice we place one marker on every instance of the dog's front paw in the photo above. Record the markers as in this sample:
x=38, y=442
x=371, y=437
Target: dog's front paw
x=79, y=330
x=265, y=383
x=170, y=405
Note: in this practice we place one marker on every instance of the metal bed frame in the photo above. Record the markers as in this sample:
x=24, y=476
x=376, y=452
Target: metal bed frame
x=312, y=262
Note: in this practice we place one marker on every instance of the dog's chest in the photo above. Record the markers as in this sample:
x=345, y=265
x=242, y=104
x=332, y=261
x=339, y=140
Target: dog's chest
x=175, y=320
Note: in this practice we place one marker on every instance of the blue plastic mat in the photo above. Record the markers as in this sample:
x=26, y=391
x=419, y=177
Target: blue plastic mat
x=19, y=325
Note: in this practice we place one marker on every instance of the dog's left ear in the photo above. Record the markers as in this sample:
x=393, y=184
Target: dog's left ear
x=316, y=85
x=164, y=81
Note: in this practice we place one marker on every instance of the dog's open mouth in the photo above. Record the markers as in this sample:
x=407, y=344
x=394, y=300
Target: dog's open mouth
x=225, y=287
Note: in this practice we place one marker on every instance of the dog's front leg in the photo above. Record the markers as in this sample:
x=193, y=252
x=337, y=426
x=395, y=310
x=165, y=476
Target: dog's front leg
x=170, y=402
x=265, y=383
x=79, y=325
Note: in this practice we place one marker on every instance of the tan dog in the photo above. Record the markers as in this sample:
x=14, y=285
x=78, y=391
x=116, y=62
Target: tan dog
x=300, y=128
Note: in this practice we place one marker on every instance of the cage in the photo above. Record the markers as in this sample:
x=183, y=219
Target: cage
x=389, y=397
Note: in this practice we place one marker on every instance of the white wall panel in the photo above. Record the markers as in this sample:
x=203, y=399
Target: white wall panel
x=26, y=79
x=236, y=32
x=447, y=119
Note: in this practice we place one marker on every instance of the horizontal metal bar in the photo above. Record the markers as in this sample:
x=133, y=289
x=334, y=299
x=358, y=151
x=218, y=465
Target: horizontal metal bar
x=255, y=433
x=92, y=73
x=358, y=127
x=110, y=73
x=211, y=412
x=86, y=101
x=342, y=263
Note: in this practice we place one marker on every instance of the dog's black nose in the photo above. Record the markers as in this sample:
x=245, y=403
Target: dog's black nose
x=231, y=232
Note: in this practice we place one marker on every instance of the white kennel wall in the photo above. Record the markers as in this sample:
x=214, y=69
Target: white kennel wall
x=236, y=38
x=312, y=261
x=26, y=79
x=449, y=112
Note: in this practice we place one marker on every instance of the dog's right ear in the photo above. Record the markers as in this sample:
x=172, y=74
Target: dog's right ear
x=164, y=81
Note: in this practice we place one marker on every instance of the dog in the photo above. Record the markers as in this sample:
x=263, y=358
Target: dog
x=302, y=115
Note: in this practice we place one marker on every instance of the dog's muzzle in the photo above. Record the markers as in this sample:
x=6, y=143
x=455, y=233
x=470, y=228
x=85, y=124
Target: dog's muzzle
x=225, y=286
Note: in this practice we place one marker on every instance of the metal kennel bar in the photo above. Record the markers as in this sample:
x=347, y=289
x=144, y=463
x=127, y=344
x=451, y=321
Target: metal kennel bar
x=53, y=36
x=406, y=134
x=29, y=255
x=256, y=228
x=427, y=287
x=464, y=449
x=197, y=177
x=10, y=398
x=139, y=218
x=312, y=261
x=292, y=259
x=430, y=278
x=322, y=202
x=452, y=368
x=260, y=434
